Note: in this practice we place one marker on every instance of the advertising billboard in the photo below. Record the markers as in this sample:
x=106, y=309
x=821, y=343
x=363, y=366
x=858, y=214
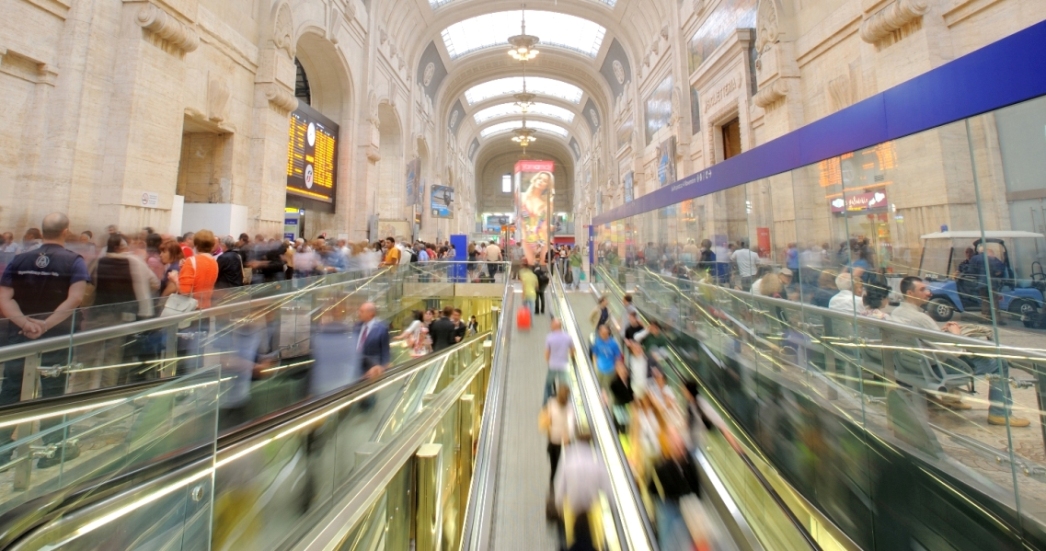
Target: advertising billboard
x=442, y=202
x=312, y=155
x=535, y=187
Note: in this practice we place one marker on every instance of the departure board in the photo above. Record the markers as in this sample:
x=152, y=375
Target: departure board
x=312, y=155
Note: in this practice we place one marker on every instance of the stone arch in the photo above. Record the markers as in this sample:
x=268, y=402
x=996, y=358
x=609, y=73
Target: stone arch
x=330, y=86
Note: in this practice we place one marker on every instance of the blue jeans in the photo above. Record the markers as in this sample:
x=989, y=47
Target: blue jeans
x=998, y=389
x=553, y=379
x=576, y=272
x=672, y=533
x=528, y=304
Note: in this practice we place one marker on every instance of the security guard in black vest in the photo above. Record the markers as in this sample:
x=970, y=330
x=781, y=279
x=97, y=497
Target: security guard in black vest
x=39, y=291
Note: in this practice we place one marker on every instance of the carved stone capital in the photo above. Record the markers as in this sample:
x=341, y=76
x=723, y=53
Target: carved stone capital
x=280, y=98
x=771, y=93
x=373, y=153
x=899, y=13
x=165, y=26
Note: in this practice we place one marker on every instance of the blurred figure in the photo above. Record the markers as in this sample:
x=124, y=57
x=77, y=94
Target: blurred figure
x=826, y=289
x=559, y=350
x=442, y=330
x=674, y=478
x=848, y=299
x=530, y=285
x=601, y=315
x=247, y=357
x=580, y=478
x=230, y=266
x=910, y=312
x=39, y=291
x=199, y=272
x=372, y=342
x=32, y=240
x=558, y=423
x=335, y=358
x=473, y=327
x=171, y=257
x=606, y=354
x=459, y=326
x=417, y=334
x=543, y=280
x=576, y=263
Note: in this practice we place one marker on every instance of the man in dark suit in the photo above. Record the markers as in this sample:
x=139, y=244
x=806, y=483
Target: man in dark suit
x=442, y=331
x=459, y=326
x=372, y=342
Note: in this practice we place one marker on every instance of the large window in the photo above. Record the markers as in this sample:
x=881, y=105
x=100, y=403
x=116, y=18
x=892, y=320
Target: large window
x=506, y=183
x=553, y=29
x=512, y=125
x=544, y=109
x=512, y=85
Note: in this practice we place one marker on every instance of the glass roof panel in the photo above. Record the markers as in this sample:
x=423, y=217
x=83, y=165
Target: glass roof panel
x=512, y=125
x=440, y=3
x=548, y=110
x=512, y=85
x=553, y=29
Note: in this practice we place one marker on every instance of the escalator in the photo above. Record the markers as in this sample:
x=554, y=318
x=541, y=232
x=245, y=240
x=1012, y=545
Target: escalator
x=154, y=426
x=829, y=410
x=281, y=481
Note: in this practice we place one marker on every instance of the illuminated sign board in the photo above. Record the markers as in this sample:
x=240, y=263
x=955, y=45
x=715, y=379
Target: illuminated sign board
x=312, y=155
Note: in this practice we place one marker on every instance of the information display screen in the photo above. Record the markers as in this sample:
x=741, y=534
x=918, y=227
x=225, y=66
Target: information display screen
x=312, y=155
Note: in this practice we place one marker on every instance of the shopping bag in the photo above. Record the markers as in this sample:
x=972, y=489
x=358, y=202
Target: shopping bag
x=582, y=277
x=179, y=304
x=523, y=318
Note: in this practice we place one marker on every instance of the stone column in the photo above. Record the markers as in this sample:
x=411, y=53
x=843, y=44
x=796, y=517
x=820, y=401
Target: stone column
x=146, y=113
x=274, y=101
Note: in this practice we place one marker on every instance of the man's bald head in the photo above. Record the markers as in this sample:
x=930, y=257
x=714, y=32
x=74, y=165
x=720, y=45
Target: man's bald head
x=367, y=311
x=556, y=324
x=54, y=225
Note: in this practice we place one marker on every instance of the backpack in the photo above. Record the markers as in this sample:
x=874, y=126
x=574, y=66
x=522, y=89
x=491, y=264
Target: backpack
x=542, y=276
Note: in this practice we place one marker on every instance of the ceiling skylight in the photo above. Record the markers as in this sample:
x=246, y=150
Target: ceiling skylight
x=544, y=109
x=512, y=125
x=439, y=3
x=493, y=29
x=512, y=85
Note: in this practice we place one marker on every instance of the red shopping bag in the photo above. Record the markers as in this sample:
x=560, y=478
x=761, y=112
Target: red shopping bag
x=523, y=318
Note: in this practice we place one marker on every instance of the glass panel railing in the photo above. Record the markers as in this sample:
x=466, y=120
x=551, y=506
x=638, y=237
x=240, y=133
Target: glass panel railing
x=273, y=487
x=862, y=405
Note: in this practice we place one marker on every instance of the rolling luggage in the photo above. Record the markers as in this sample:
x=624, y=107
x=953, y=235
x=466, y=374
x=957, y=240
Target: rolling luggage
x=523, y=318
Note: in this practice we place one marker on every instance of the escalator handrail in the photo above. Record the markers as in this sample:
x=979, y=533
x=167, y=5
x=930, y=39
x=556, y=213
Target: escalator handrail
x=477, y=524
x=583, y=362
x=753, y=469
x=53, y=504
x=22, y=350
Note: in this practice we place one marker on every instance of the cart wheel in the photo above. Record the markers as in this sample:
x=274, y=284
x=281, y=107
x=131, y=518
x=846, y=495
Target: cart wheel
x=1025, y=311
x=940, y=309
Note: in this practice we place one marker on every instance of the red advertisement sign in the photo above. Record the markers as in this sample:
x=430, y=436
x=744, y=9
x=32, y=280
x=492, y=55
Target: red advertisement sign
x=762, y=236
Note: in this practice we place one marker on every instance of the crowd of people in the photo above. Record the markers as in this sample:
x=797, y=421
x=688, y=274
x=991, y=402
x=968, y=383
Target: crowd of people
x=844, y=280
x=662, y=423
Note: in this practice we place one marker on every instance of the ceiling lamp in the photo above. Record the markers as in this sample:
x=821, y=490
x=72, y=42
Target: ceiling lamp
x=523, y=43
x=524, y=99
x=524, y=136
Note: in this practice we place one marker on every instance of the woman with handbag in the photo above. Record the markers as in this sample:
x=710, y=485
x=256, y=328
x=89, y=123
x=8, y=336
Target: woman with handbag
x=171, y=256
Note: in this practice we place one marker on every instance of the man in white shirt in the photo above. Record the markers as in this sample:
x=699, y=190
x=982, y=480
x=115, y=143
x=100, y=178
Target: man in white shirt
x=747, y=264
x=851, y=289
x=581, y=476
x=493, y=256
x=910, y=312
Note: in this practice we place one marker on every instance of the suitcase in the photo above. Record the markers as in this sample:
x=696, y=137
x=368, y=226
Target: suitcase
x=523, y=318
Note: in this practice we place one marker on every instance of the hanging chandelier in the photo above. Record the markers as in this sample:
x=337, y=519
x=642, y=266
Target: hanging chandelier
x=524, y=136
x=523, y=43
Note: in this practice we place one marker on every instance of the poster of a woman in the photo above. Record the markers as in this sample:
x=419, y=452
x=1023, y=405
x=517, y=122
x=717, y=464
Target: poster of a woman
x=534, y=207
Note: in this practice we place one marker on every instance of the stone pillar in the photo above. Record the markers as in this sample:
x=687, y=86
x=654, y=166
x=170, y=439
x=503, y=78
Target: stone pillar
x=274, y=101
x=146, y=114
